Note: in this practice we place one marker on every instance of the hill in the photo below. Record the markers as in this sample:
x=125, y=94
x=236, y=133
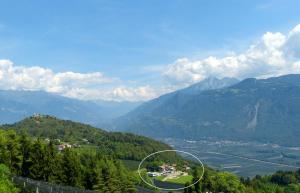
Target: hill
x=121, y=145
x=254, y=109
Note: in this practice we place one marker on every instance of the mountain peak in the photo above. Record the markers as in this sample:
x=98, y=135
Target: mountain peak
x=210, y=83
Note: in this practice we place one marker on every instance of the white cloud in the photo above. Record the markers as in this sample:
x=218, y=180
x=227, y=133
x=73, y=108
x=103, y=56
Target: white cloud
x=119, y=93
x=274, y=54
x=33, y=78
x=86, y=86
x=292, y=46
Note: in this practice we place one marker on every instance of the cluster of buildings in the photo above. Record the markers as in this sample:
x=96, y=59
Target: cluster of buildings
x=166, y=170
x=63, y=145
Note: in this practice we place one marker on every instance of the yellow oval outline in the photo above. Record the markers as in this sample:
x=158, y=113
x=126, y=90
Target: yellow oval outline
x=170, y=150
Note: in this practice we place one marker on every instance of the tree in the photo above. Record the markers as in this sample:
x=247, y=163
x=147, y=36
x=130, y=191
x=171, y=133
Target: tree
x=207, y=182
x=92, y=179
x=196, y=176
x=71, y=168
x=5, y=184
x=13, y=149
x=51, y=162
x=292, y=188
x=188, y=188
x=126, y=182
x=283, y=178
x=226, y=182
x=25, y=144
x=36, y=157
x=110, y=178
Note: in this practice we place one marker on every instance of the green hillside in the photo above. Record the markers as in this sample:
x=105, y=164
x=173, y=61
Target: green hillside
x=121, y=145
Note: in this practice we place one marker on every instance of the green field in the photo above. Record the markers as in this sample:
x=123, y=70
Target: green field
x=179, y=180
x=160, y=178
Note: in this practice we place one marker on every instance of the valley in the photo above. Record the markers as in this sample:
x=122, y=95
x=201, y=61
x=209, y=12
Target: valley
x=245, y=159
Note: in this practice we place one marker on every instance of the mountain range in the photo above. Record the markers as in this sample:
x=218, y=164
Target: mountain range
x=265, y=110
x=16, y=105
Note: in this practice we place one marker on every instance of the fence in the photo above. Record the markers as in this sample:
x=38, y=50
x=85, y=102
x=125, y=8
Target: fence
x=44, y=187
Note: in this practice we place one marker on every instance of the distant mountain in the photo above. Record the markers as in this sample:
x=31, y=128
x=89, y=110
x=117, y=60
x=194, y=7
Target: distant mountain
x=16, y=105
x=210, y=83
x=114, y=109
x=267, y=110
x=181, y=96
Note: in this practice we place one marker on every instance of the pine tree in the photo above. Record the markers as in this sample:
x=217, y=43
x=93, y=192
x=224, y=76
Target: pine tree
x=50, y=162
x=207, y=183
x=36, y=157
x=4, y=155
x=196, y=176
x=110, y=178
x=71, y=168
x=25, y=152
x=14, y=153
x=127, y=185
x=92, y=174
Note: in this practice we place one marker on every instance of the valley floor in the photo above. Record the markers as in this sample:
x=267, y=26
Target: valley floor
x=245, y=159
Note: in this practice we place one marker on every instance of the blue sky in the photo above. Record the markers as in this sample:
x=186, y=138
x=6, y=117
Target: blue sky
x=131, y=41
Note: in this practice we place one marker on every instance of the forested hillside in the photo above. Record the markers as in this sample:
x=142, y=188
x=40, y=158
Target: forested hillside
x=121, y=145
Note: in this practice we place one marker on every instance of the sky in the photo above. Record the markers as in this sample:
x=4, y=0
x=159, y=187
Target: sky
x=132, y=50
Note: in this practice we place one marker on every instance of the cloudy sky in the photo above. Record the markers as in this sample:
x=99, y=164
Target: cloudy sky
x=137, y=50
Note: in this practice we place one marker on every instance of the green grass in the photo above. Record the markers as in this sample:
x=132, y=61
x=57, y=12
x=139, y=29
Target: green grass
x=179, y=180
x=160, y=178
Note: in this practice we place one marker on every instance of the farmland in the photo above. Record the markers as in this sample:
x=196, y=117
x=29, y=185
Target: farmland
x=242, y=158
